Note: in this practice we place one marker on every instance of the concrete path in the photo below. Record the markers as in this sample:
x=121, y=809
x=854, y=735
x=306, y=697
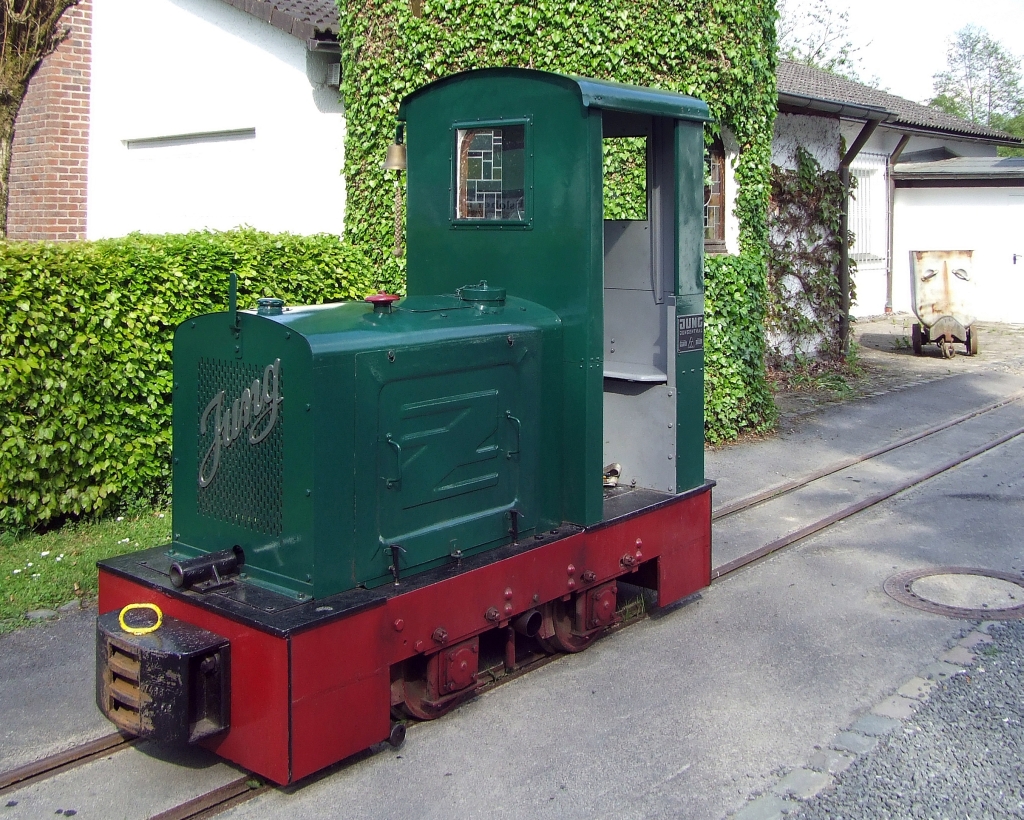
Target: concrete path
x=47, y=690
x=687, y=715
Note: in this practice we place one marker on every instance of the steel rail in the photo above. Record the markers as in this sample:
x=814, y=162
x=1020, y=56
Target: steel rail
x=771, y=493
x=853, y=509
x=63, y=761
x=215, y=801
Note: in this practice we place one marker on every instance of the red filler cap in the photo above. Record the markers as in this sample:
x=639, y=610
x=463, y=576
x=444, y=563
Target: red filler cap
x=382, y=302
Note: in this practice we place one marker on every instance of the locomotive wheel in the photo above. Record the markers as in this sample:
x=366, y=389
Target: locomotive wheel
x=416, y=704
x=972, y=342
x=915, y=338
x=558, y=620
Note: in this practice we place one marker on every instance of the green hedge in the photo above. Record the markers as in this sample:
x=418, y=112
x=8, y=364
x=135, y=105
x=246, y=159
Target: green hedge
x=85, y=352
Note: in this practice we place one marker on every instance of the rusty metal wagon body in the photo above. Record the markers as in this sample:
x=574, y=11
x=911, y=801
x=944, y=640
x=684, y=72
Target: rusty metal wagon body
x=942, y=287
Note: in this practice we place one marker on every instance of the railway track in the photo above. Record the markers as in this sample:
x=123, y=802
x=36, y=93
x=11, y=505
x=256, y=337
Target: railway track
x=772, y=493
x=780, y=490
x=247, y=787
x=205, y=805
x=215, y=801
x=47, y=767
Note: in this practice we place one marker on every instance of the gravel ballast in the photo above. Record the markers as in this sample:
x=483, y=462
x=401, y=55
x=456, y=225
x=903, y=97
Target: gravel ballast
x=959, y=756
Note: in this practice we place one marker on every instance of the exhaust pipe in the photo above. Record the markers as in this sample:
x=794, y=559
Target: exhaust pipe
x=528, y=623
x=212, y=567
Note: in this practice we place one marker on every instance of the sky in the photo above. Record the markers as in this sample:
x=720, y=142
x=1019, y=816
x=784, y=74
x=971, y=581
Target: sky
x=904, y=41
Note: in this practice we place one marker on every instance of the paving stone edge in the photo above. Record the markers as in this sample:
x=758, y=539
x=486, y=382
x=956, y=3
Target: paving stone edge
x=860, y=738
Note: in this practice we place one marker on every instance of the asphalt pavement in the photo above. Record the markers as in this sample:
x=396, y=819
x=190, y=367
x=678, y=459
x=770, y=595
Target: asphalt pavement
x=768, y=688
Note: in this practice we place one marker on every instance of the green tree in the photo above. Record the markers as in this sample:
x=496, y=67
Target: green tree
x=30, y=30
x=812, y=33
x=982, y=81
x=1011, y=125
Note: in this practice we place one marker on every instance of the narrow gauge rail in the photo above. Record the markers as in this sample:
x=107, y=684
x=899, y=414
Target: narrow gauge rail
x=835, y=517
x=247, y=787
x=55, y=764
x=772, y=493
x=215, y=801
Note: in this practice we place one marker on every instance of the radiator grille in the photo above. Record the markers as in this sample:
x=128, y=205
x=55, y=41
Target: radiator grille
x=247, y=490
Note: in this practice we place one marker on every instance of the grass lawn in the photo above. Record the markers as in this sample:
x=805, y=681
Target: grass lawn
x=46, y=571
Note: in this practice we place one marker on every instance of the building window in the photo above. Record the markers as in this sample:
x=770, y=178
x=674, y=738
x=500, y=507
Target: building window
x=714, y=200
x=868, y=209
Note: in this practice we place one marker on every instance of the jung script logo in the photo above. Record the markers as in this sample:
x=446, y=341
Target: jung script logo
x=254, y=413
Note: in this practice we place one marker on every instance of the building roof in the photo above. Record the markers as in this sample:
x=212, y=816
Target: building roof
x=309, y=20
x=801, y=86
x=989, y=168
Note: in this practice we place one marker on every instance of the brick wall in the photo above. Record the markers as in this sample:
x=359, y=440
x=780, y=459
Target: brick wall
x=50, y=156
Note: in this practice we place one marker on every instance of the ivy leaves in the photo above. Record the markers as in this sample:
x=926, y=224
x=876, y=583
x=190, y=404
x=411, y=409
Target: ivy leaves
x=804, y=250
x=722, y=51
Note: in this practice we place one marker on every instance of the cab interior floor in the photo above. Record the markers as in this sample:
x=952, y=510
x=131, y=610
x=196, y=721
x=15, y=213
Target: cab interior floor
x=620, y=501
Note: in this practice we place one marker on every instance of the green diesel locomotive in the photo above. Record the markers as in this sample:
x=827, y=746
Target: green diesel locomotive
x=380, y=506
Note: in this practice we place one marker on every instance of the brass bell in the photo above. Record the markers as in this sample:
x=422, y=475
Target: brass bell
x=396, y=159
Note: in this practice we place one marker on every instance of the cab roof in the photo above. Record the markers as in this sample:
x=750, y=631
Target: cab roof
x=603, y=94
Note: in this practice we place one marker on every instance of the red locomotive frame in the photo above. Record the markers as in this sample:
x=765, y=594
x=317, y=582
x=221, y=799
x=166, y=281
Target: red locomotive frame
x=305, y=699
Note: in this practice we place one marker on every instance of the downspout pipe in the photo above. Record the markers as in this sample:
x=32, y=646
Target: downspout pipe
x=894, y=157
x=844, y=230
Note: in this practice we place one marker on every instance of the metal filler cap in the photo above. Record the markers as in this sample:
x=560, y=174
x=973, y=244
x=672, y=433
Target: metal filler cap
x=481, y=293
x=269, y=306
x=382, y=302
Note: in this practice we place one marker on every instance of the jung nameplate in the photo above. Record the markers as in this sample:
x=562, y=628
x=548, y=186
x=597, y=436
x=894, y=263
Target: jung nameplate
x=689, y=333
x=254, y=413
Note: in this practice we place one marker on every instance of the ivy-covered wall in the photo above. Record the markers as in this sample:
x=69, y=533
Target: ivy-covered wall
x=805, y=300
x=722, y=51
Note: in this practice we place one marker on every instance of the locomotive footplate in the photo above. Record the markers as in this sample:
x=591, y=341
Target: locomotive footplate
x=313, y=682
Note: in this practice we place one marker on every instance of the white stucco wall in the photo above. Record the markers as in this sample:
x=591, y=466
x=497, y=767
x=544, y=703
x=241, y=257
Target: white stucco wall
x=817, y=135
x=163, y=68
x=985, y=220
x=732, y=223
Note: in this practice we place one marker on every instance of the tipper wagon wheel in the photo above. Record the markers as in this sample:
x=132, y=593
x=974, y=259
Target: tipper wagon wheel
x=972, y=342
x=915, y=337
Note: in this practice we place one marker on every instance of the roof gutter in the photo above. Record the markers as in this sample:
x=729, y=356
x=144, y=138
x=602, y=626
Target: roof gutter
x=797, y=102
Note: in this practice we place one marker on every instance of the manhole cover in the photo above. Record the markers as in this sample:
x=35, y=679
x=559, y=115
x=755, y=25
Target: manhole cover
x=960, y=592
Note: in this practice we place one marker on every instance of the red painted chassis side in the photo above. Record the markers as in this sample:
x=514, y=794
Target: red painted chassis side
x=299, y=704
